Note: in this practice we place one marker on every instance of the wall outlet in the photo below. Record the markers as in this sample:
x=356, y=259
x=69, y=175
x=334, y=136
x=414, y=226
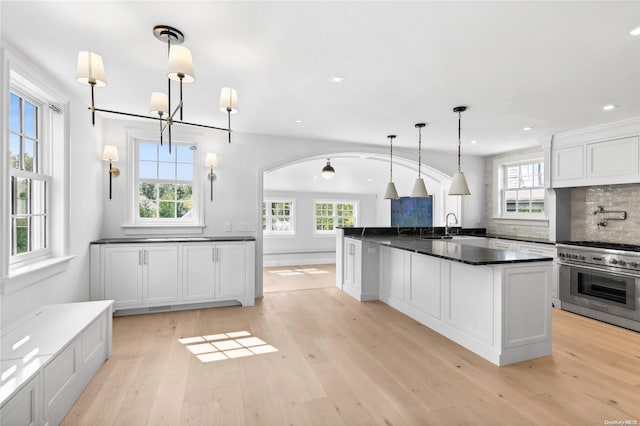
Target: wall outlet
x=227, y=227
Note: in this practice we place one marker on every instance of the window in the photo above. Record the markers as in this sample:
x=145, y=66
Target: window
x=330, y=215
x=164, y=186
x=29, y=185
x=523, y=193
x=278, y=217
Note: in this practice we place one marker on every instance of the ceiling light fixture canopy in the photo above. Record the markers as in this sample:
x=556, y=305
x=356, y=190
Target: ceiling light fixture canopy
x=459, y=184
x=90, y=71
x=419, y=188
x=328, y=172
x=391, y=193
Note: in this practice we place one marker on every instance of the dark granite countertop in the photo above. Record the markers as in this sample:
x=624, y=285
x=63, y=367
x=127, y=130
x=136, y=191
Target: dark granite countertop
x=452, y=249
x=146, y=240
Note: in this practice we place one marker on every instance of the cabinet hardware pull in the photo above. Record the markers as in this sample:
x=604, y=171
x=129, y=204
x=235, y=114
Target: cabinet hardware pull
x=146, y=257
x=139, y=257
x=213, y=254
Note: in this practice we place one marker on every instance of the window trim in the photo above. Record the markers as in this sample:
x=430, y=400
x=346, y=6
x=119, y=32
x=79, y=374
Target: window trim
x=136, y=226
x=356, y=207
x=20, y=72
x=499, y=167
x=269, y=233
x=43, y=159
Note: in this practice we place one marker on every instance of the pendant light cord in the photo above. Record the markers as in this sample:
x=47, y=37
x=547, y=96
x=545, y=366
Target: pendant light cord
x=391, y=160
x=419, y=150
x=459, y=141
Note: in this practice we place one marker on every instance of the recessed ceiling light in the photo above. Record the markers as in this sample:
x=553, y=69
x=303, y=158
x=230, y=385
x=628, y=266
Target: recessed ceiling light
x=315, y=177
x=369, y=180
x=527, y=128
x=474, y=142
x=609, y=107
x=635, y=31
x=299, y=121
x=336, y=79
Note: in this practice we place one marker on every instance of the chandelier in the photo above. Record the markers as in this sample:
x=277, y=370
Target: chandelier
x=90, y=71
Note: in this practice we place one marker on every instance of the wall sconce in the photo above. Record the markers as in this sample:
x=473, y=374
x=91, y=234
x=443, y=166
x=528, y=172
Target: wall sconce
x=211, y=161
x=110, y=154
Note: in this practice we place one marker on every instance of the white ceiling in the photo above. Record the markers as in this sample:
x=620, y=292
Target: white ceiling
x=549, y=65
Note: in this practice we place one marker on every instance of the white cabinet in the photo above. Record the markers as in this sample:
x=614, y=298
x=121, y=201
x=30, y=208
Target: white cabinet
x=141, y=275
x=424, y=284
x=568, y=164
x=23, y=408
x=606, y=155
x=550, y=251
x=392, y=274
x=214, y=271
x=352, y=266
x=167, y=275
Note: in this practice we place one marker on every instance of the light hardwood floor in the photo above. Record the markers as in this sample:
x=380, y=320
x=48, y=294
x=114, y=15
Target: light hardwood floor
x=287, y=278
x=341, y=362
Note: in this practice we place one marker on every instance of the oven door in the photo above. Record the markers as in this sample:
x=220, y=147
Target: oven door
x=599, y=289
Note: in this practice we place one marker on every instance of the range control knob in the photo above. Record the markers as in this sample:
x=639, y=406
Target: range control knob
x=581, y=257
x=622, y=262
x=561, y=254
x=613, y=261
x=633, y=264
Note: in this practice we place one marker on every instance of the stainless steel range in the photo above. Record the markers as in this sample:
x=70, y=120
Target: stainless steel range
x=601, y=281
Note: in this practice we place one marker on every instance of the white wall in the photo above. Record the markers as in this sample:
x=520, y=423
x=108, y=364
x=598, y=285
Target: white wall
x=85, y=199
x=306, y=247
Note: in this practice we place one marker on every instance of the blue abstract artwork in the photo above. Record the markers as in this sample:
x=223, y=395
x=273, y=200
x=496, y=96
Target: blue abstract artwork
x=408, y=212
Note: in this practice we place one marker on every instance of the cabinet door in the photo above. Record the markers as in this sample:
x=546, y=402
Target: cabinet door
x=353, y=265
x=618, y=157
x=198, y=272
x=123, y=275
x=392, y=272
x=24, y=407
x=161, y=279
x=568, y=163
x=424, y=284
x=231, y=271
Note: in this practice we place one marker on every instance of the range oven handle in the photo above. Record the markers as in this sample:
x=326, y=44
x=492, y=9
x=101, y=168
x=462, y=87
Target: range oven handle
x=605, y=270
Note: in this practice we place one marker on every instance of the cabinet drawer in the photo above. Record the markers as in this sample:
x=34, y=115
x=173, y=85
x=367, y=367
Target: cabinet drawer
x=537, y=249
x=59, y=377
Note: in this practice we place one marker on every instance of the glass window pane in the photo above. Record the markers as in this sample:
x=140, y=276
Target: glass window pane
x=164, y=155
x=167, y=209
x=38, y=232
x=148, y=208
x=184, y=154
x=148, y=151
x=21, y=196
x=30, y=117
x=38, y=197
x=29, y=155
x=148, y=170
x=184, y=192
x=14, y=151
x=183, y=209
x=185, y=171
x=166, y=192
x=147, y=191
x=14, y=113
x=21, y=232
x=167, y=171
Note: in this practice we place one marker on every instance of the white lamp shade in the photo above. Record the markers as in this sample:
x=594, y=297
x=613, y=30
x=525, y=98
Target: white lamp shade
x=419, y=189
x=180, y=62
x=228, y=100
x=459, y=185
x=110, y=153
x=90, y=69
x=159, y=103
x=211, y=160
x=391, y=193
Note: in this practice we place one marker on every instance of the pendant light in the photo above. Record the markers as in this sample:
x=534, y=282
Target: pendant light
x=419, y=188
x=328, y=172
x=459, y=185
x=391, y=193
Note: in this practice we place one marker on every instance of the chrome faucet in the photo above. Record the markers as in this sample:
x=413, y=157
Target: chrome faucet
x=446, y=222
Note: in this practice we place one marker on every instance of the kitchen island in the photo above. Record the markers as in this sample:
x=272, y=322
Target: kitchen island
x=496, y=303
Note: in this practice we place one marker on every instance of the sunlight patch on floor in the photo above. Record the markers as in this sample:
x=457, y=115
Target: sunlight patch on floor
x=218, y=347
x=289, y=272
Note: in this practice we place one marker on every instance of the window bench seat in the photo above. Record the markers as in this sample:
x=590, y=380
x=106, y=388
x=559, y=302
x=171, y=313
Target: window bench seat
x=49, y=357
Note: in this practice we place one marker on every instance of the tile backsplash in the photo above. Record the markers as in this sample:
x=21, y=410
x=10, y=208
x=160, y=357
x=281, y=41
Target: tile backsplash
x=584, y=223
